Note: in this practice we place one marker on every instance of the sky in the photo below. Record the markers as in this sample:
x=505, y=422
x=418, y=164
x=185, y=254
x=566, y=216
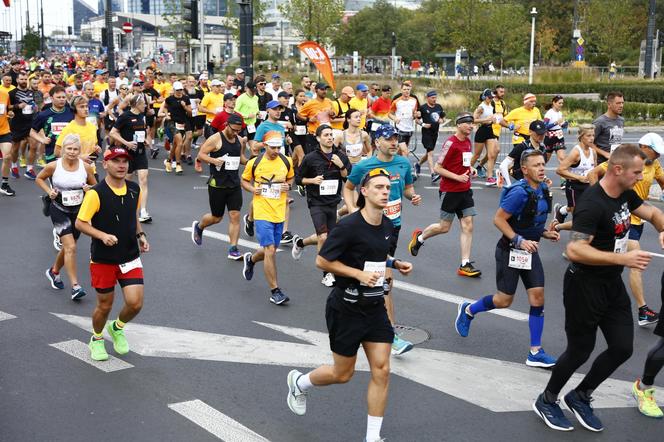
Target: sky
x=57, y=15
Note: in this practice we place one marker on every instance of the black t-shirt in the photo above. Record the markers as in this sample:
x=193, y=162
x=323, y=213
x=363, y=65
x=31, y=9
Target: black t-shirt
x=153, y=94
x=176, y=109
x=223, y=177
x=132, y=128
x=319, y=163
x=197, y=94
x=354, y=242
x=515, y=154
x=433, y=116
x=607, y=220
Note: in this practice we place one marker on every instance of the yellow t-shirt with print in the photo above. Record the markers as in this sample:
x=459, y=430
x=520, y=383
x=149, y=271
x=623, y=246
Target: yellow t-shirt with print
x=651, y=172
x=213, y=102
x=522, y=117
x=361, y=105
x=88, y=135
x=271, y=205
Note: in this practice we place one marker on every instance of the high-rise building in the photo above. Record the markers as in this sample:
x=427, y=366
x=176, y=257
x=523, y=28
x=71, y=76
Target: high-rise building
x=82, y=13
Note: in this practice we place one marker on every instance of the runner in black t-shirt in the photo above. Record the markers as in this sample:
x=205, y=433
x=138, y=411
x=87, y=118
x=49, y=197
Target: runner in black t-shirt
x=432, y=115
x=513, y=160
x=594, y=294
x=178, y=108
x=196, y=121
x=356, y=251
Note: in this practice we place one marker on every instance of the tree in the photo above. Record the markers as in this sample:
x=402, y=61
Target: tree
x=31, y=42
x=367, y=35
x=609, y=36
x=314, y=20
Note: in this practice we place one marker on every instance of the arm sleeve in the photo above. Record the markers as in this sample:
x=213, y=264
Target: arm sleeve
x=505, y=170
x=633, y=200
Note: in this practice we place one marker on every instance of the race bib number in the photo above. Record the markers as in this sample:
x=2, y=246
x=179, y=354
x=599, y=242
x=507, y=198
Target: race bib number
x=72, y=197
x=272, y=192
x=375, y=267
x=300, y=130
x=375, y=126
x=262, y=115
x=92, y=120
x=329, y=187
x=179, y=126
x=620, y=246
x=194, y=112
x=520, y=259
x=131, y=265
x=283, y=124
x=251, y=128
x=56, y=128
x=231, y=163
x=354, y=150
x=393, y=209
x=498, y=117
x=466, y=156
x=3, y=108
x=139, y=136
x=27, y=109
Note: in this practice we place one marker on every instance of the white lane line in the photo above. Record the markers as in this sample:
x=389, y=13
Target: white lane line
x=156, y=169
x=472, y=187
x=455, y=299
x=200, y=187
x=215, y=422
x=4, y=316
x=81, y=351
x=226, y=238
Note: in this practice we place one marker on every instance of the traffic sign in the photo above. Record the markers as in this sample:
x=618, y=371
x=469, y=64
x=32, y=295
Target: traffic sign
x=580, y=41
x=127, y=27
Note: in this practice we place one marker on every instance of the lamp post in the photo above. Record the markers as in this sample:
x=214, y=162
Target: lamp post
x=533, y=14
x=246, y=37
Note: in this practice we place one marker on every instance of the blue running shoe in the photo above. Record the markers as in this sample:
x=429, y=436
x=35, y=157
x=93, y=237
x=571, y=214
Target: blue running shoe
x=418, y=168
x=462, y=323
x=248, y=268
x=279, y=298
x=234, y=254
x=481, y=172
x=77, y=293
x=583, y=411
x=400, y=346
x=54, y=279
x=551, y=414
x=540, y=359
x=196, y=233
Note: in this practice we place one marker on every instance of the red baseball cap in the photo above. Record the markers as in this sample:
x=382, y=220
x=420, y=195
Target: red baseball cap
x=116, y=152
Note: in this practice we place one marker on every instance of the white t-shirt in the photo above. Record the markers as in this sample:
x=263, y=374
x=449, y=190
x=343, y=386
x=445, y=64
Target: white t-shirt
x=553, y=116
x=404, y=111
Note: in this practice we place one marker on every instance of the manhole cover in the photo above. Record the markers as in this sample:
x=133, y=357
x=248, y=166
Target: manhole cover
x=412, y=334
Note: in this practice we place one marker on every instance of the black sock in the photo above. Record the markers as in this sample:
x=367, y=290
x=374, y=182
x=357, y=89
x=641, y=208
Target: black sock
x=299, y=242
x=584, y=395
x=274, y=290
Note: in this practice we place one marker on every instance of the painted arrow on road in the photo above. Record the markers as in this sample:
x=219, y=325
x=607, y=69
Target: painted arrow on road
x=497, y=385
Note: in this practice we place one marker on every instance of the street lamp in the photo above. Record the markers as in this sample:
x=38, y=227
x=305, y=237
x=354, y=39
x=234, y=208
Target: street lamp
x=533, y=14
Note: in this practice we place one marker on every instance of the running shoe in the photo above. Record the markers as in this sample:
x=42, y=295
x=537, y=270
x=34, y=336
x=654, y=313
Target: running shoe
x=297, y=399
x=77, y=293
x=481, y=172
x=491, y=182
x=22, y=163
x=248, y=225
x=30, y=174
x=286, y=237
x=144, y=217
x=234, y=254
x=167, y=166
x=646, y=401
x=296, y=251
x=583, y=411
x=6, y=190
x=540, y=359
x=300, y=190
x=97, y=349
x=556, y=213
x=178, y=169
x=328, y=280
x=647, y=316
x=279, y=298
x=196, y=234
x=435, y=178
x=120, y=344
x=154, y=152
x=418, y=168
x=248, y=268
x=57, y=244
x=462, y=321
x=400, y=346
x=46, y=204
x=55, y=279
x=468, y=270
x=414, y=244
x=190, y=160
x=552, y=414
x=15, y=173
x=41, y=162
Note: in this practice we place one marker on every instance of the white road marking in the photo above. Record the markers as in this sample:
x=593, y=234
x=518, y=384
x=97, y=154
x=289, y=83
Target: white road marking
x=215, y=422
x=499, y=386
x=80, y=350
x=4, y=316
x=438, y=188
x=156, y=169
x=223, y=237
x=200, y=187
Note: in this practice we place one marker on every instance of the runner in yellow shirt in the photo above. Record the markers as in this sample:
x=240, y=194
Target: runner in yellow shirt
x=360, y=102
x=519, y=119
x=86, y=130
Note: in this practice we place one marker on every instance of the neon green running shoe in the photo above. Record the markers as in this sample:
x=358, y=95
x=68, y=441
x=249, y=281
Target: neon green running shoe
x=646, y=401
x=120, y=344
x=97, y=350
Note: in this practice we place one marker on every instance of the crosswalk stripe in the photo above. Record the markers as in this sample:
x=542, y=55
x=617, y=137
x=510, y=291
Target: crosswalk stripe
x=215, y=422
x=81, y=351
x=4, y=316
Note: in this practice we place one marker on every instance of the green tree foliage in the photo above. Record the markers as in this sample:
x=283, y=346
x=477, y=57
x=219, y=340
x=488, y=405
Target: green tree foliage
x=30, y=42
x=316, y=20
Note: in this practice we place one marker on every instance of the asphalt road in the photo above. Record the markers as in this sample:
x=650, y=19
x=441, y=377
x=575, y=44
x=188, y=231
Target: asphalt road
x=449, y=388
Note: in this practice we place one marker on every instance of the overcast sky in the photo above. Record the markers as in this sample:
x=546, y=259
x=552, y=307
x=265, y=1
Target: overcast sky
x=57, y=15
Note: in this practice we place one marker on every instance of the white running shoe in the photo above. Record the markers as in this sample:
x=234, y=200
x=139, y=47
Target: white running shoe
x=296, y=251
x=297, y=399
x=328, y=280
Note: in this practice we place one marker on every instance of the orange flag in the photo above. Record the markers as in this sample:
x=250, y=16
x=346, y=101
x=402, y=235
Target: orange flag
x=320, y=59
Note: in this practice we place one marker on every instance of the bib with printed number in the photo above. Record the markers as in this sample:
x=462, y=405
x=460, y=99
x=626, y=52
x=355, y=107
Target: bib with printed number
x=139, y=136
x=179, y=126
x=3, y=108
x=393, y=209
x=131, y=265
x=251, y=128
x=466, y=156
x=620, y=245
x=231, y=163
x=272, y=192
x=375, y=267
x=27, y=109
x=56, y=128
x=300, y=130
x=354, y=150
x=375, y=126
x=520, y=259
x=262, y=115
x=72, y=197
x=329, y=187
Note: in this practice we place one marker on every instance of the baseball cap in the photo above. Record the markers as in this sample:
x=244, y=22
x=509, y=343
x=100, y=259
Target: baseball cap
x=273, y=105
x=115, y=152
x=276, y=76
x=362, y=87
x=283, y=94
x=229, y=96
x=203, y=76
x=322, y=86
x=100, y=71
x=361, y=201
x=138, y=82
x=177, y=86
x=432, y=94
x=273, y=138
x=538, y=127
x=234, y=119
x=215, y=82
x=653, y=141
x=529, y=97
x=239, y=71
x=348, y=91
x=464, y=117
x=386, y=131
x=486, y=93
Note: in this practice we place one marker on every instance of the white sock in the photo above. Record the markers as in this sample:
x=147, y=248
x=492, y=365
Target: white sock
x=373, y=427
x=563, y=210
x=14, y=164
x=420, y=238
x=465, y=261
x=304, y=383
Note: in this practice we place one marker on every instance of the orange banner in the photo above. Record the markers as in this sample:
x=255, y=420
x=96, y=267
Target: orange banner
x=320, y=59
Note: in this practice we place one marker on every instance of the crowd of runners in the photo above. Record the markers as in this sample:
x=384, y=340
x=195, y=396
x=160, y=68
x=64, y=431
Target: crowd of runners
x=87, y=138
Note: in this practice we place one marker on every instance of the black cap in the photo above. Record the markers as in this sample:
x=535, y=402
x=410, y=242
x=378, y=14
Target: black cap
x=538, y=127
x=229, y=96
x=251, y=85
x=234, y=119
x=283, y=94
x=322, y=86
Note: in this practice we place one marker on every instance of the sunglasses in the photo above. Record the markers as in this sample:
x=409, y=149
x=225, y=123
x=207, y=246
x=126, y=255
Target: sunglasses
x=374, y=173
x=261, y=84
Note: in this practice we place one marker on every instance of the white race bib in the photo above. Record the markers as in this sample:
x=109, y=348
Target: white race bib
x=621, y=245
x=131, y=265
x=91, y=119
x=329, y=187
x=393, y=209
x=139, y=136
x=283, y=123
x=375, y=267
x=194, y=112
x=466, y=156
x=272, y=192
x=262, y=115
x=520, y=259
x=354, y=150
x=179, y=126
x=72, y=197
x=375, y=126
x=231, y=163
x=56, y=128
x=251, y=128
x=300, y=130
x=27, y=109
x=3, y=108
x=614, y=147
